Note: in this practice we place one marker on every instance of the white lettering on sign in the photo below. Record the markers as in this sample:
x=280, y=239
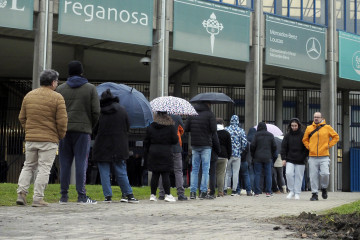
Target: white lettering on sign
x=14, y=6
x=91, y=11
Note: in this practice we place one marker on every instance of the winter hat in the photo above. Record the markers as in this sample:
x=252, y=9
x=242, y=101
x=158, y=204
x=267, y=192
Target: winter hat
x=107, y=98
x=75, y=68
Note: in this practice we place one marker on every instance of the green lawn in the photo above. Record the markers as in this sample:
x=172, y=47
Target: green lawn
x=8, y=193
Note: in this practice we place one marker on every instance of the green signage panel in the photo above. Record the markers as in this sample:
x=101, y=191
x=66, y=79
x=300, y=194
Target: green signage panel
x=128, y=21
x=212, y=29
x=17, y=14
x=349, y=56
x=295, y=45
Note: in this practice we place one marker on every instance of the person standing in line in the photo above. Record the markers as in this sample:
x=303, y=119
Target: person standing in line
x=83, y=108
x=263, y=152
x=238, y=142
x=318, y=139
x=224, y=155
x=111, y=146
x=294, y=155
x=44, y=118
x=201, y=128
x=278, y=169
x=161, y=135
x=178, y=164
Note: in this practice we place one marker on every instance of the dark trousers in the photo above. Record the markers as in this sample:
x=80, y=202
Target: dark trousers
x=212, y=181
x=155, y=182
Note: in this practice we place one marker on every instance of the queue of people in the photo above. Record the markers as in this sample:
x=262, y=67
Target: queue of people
x=221, y=157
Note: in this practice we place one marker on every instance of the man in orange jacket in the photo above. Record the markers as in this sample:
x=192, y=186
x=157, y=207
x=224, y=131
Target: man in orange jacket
x=318, y=139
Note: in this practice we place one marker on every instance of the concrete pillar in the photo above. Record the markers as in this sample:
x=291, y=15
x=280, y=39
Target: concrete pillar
x=43, y=40
x=329, y=89
x=159, y=82
x=194, y=79
x=253, y=72
x=279, y=96
x=345, y=141
x=178, y=86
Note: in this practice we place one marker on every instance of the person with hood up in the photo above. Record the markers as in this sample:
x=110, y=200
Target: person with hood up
x=201, y=127
x=318, y=139
x=83, y=109
x=111, y=146
x=263, y=152
x=294, y=155
x=238, y=142
x=161, y=135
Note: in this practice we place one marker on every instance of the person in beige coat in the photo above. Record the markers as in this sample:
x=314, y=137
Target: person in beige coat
x=44, y=118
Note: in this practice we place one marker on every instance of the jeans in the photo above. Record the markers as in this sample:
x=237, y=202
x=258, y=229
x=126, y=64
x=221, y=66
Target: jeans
x=258, y=166
x=120, y=174
x=200, y=155
x=244, y=175
x=252, y=176
x=319, y=170
x=294, y=176
x=232, y=169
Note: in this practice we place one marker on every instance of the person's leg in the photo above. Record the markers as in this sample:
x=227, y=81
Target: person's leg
x=268, y=178
x=290, y=176
x=166, y=182
x=122, y=178
x=252, y=176
x=244, y=172
x=212, y=173
x=280, y=179
x=314, y=174
x=274, y=185
x=66, y=157
x=257, y=171
x=196, y=160
x=228, y=174
x=299, y=175
x=46, y=157
x=205, y=163
x=30, y=165
x=104, y=170
x=161, y=188
x=220, y=173
x=154, y=182
x=235, y=173
x=178, y=172
x=324, y=172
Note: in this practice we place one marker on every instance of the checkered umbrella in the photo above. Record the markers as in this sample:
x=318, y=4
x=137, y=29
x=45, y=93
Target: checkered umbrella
x=172, y=105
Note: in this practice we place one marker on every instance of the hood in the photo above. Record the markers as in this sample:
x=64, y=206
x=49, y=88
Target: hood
x=234, y=125
x=108, y=108
x=234, y=121
x=299, y=124
x=251, y=134
x=76, y=81
x=201, y=107
x=162, y=120
x=261, y=127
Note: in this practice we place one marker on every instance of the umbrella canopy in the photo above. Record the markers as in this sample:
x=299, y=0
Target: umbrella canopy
x=273, y=129
x=212, y=97
x=172, y=105
x=136, y=105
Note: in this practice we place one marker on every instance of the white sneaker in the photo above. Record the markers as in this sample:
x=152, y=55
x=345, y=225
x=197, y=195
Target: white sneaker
x=297, y=196
x=169, y=198
x=153, y=198
x=290, y=195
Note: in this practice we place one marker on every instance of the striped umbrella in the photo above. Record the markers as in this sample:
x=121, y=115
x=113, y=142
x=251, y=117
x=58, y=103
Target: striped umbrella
x=172, y=105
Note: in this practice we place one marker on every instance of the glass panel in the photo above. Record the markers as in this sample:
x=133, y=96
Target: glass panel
x=308, y=10
x=320, y=11
x=284, y=6
x=350, y=25
x=295, y=9
x=339, y=6
x=268, y=6
x=229, y=1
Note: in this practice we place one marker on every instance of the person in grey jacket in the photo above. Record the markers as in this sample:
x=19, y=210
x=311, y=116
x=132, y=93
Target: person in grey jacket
x=83, y=109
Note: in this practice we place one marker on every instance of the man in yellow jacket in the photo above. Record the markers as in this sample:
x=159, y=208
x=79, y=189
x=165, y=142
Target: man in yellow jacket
x=43, y=116
x=318, y=139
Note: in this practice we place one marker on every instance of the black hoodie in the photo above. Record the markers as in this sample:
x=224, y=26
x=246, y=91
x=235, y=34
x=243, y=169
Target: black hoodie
x=263, y=146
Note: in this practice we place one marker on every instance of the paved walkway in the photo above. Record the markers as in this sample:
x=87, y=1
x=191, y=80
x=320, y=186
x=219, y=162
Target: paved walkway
x=223, y=218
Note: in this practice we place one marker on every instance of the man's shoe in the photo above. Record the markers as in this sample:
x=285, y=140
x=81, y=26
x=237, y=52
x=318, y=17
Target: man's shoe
x=131, y=199
x=161, y=197
x=107, y=199
x=169, y=198
x=234, y=193
x=314, y=197
x=153, y=198
x=268, y=195
x=324, y=193
x=123, y=198
x=40, y=203
x=86, y=200
x=202, y=195
x=21, y=199
x=192, y=195
x=220, y=194
x=290, y=195
x=249, y=194
x=182, y=198
x=297, y=197
x=64, y=200
x=209, y=197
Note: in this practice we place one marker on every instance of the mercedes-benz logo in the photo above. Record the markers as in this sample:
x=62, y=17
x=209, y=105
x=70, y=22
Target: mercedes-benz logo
x=313, y=48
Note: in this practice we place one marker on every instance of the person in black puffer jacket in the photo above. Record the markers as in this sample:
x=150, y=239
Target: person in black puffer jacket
x=263, y=152
x=294, y=154
x=201, y=127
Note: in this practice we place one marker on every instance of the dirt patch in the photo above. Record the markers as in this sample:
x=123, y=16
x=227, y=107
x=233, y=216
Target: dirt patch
x=331, y=226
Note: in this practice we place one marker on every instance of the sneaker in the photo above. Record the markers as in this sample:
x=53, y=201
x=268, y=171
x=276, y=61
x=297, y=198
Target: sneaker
x=268, y=195
x=202, y=195
x=161, y=198
x=21, y=199
x=182, y=198
x=220, y=194
x=107, y=199
x=324, y=194
x=290, y=195
x=86, y=200
x=234, y=193
x=123, y=199
x=169, y=198
x=225, y=192
x=63, y=200
x=314, y=197
x=297, y=197
x=192, y=195
x=153, y=198
x=210, y=197
x=249, y=194
x=131, y=199
x=40, y=203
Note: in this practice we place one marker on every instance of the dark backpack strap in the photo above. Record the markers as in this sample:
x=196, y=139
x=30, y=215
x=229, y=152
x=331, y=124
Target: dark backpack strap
x=315, y=130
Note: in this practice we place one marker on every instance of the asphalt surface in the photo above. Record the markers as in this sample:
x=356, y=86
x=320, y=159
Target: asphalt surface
x=230, y=217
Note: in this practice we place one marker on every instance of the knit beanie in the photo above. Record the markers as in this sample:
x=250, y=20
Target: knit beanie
x=75, y=68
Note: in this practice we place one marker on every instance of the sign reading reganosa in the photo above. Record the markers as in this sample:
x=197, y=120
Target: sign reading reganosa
x=128, y=21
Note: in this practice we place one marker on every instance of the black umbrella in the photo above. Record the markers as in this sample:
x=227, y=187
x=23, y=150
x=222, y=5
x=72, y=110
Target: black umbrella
x=212, y=97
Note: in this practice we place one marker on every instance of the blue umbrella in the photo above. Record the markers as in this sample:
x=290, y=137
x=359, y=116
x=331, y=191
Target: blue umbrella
x=136, y=105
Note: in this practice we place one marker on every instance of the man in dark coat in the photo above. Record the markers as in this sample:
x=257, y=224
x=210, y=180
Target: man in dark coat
x=201, y=127
x=263, y=152
x=112, y=147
